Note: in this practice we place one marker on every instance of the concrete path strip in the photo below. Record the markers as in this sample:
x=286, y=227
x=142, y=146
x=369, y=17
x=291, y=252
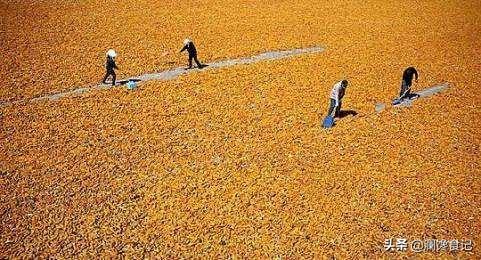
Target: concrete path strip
x=422, y=94
x=174, y=73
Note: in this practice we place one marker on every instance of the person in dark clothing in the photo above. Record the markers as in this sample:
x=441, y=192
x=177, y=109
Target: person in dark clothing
x=190, y=47
x=407, y=81
x=110, y=66
x=337, y=93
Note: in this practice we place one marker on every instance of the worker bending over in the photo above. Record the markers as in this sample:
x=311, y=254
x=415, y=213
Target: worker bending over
x=337, y=93
x=190, y=47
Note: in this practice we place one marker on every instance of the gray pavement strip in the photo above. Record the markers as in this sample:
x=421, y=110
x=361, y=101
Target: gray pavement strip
x=174, y=73
x=422, y=94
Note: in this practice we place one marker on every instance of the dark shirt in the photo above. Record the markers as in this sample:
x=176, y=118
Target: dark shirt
x=190, y=49
x=342, y=92
x=110, y=64
x=408, y=75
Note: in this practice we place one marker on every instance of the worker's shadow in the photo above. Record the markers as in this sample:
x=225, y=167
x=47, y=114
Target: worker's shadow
x=344, y=113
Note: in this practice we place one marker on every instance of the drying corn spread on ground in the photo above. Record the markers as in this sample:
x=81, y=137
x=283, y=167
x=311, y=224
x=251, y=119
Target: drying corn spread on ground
x=233, y=162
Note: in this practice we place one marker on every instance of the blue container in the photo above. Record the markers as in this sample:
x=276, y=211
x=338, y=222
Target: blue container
x=328, y=122
x=131, y=85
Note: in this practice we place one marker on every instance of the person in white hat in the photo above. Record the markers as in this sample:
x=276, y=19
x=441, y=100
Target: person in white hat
x=190, y=47
x=110, y=66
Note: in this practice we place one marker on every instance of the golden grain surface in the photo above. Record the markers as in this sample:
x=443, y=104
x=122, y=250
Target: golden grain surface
x=233, y=162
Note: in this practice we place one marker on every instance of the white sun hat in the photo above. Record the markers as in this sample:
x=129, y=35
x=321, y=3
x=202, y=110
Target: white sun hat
x=111, y=53
x=187, y=41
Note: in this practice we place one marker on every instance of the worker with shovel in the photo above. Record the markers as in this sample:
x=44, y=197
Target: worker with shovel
x=190, y=47
x=110, y=66
x=407, y=82
x=337, y=93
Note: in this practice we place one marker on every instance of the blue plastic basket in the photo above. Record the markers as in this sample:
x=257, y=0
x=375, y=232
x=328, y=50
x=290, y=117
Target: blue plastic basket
x=131, y=85
x=328, y=122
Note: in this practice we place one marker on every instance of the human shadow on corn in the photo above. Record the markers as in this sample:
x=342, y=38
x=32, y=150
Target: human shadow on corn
x=344, y=113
